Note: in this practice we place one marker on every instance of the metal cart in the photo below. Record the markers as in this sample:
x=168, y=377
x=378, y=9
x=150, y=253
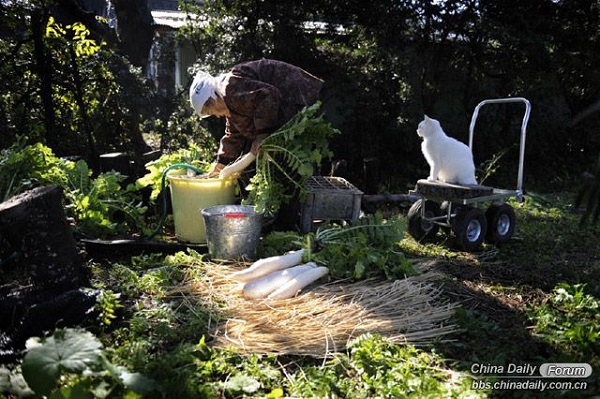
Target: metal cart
x=459, y=208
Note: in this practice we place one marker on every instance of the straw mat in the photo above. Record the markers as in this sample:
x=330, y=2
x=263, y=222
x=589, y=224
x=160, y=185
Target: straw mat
x=323, y=319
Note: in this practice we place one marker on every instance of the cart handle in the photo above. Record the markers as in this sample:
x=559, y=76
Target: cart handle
x=519, y=191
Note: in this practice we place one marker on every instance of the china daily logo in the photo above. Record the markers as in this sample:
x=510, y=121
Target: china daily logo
x=565, y=370
x=546, y=370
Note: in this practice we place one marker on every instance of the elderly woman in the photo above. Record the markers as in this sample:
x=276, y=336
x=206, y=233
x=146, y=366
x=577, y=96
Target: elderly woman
x=256, y=98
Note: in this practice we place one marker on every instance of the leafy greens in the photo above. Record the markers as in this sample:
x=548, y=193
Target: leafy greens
x=287, y=158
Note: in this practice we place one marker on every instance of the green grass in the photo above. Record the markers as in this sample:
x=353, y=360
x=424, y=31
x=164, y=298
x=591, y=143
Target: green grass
x=532, y=301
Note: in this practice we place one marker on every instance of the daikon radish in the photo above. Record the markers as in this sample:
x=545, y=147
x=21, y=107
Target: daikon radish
x=295, y=285
x=262, y=267
x=238, y=166
x=264, y=286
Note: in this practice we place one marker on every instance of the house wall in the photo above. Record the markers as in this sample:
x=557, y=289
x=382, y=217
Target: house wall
x=168, y=67
x=186, y=57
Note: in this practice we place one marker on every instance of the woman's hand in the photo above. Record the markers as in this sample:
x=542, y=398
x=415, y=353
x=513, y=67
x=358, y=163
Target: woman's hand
x=216, y=170
x=238, y=166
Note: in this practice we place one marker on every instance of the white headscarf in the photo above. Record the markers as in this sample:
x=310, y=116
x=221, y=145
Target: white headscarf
x=203, y=87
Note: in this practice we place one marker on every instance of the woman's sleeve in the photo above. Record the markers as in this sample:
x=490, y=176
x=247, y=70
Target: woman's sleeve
x=231, y=145
x=254, y=106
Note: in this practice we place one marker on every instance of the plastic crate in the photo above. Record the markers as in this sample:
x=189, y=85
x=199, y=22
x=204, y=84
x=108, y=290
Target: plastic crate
x=329, y=198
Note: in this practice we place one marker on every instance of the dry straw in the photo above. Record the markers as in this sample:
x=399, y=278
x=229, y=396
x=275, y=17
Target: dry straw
x=322, y=320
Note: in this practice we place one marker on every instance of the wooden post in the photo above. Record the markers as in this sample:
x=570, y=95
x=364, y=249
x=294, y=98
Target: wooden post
x=371, y=175
x=35, y=226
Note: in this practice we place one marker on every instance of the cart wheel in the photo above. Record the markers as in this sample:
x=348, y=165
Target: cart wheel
x=501, y=223
x=469, y=226
x=419, y=228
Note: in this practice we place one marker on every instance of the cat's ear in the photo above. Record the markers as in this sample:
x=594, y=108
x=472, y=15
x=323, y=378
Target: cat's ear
x=427, y=118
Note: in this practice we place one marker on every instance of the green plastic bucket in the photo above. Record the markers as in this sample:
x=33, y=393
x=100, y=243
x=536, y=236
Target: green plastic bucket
x=233, y=231
x=189, y=195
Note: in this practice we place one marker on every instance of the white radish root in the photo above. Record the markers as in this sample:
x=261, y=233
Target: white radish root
x=264, y=286
x=296, y=284
x=238, y=166
x=262, y=267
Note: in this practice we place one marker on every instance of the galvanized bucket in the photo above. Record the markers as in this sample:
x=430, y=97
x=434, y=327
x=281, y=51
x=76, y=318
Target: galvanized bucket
x=232, y=231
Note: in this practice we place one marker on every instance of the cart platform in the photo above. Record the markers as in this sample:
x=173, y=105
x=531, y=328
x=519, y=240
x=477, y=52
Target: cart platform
x=448, y=190
x=468, y=194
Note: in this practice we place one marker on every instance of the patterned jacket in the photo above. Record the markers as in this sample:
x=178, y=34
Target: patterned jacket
x=261, y=97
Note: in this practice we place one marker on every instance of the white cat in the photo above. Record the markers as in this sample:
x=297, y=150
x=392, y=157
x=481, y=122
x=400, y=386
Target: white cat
x=450, y=161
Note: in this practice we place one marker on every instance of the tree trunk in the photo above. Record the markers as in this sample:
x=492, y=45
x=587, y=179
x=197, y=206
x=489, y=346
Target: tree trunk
x=86, y=124
x=135, y=29
x=39, y=19
x=34, y=225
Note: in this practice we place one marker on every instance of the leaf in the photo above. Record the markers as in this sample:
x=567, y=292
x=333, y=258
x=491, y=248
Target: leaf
x=137, y=382
x=78, y=391
x=359, y=270
x=242, y=383
x=275, y=393
x=69, y=350
x=12, y=381
x=305, y=170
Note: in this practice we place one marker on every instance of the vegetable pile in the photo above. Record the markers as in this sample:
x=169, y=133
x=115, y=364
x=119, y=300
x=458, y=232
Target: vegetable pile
x=279, y=277
x=368, y=247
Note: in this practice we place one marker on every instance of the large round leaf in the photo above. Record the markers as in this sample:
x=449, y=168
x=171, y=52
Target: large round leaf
x=68, y=350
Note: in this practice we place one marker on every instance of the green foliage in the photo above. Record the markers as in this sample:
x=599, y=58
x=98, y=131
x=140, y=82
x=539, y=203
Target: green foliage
x=165, y=340
x=195, y=155
x=107, y=303
x=99, y=206
x=63, y=88
x=23, y=167
x=368, y=247
x=67, y=351
x=288, y=158
x=83, y=45
x=490, y=167
x=276, y=243
x=71, y=363
x=381, y=75
x=374, y=367
x=570, y=319
x=477, y=330
x=165, y=334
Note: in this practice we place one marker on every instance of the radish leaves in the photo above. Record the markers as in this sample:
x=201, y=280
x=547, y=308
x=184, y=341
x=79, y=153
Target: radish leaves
x=287, y=158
